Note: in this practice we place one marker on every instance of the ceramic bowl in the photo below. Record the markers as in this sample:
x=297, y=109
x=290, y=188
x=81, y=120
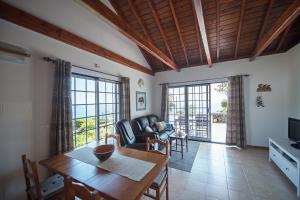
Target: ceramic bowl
x=103, y=152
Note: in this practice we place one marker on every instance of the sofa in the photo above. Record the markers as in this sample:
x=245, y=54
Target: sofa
x=128, y=138
x=145, y=125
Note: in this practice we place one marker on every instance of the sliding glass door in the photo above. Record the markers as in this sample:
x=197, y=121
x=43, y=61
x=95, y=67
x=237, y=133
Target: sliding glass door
x=189, y=110
x=198, y=112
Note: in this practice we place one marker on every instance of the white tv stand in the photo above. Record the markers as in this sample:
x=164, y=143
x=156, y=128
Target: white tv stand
x=287, y=158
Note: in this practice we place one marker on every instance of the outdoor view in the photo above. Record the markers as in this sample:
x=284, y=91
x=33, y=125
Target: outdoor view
x=218, y=111
x=93, y=100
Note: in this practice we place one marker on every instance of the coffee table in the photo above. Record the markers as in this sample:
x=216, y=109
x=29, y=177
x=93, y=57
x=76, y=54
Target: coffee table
x=181, y=137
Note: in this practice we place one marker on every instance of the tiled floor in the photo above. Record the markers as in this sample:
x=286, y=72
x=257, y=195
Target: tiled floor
x=224, y=173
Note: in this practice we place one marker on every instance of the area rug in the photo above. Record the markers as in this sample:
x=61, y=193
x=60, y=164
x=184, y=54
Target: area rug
x=186, y=163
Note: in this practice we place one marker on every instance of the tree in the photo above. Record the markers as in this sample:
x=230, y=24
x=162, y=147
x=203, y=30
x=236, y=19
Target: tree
x=224, y=104
x=222, y=88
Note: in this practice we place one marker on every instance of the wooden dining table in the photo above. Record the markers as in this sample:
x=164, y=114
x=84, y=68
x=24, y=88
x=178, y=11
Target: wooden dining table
x=109, y=185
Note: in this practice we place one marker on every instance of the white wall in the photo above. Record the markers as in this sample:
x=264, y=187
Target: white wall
x=261, y=123
x=25, y=100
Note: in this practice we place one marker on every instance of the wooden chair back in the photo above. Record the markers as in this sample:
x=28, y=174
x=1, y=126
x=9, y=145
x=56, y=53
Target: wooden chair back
x=73, y=190
x=116, y=137
x=159, y=142
x=31, y=177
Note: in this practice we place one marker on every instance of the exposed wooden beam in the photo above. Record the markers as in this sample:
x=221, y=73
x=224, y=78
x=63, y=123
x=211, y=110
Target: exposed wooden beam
x=201, y=24
x=120, y=13
x=289, y=15
x=161, y=30
x=101, y=10
x=21, y=18
x=282, y=38
x=142, y=24
x=242, y=12
x=264, y=24
x=197, y=34
x=218, y=28
x=179, y=31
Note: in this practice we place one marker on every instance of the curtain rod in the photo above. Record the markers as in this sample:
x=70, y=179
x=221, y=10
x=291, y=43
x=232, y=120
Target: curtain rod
x=47, y=59
x=210, y=79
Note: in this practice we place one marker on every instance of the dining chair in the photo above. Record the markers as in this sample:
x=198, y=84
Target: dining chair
x=161, y=182
x=50, y=188
x=75, y=190
x=117, y=139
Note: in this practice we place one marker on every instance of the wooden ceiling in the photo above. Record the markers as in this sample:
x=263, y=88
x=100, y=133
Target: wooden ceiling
x=234, y=28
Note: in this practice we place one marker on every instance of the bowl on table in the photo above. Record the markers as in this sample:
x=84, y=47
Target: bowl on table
x=103, y=152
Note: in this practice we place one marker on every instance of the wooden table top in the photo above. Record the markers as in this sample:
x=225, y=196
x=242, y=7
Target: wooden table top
x=110, y=186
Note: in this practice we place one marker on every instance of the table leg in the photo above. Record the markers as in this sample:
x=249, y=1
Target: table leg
x=186, y=141
x=170, y=146
x=176, y=144
x=181, y=148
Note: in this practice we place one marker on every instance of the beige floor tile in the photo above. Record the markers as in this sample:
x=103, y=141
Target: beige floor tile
x=235, y=195
x=226, y=173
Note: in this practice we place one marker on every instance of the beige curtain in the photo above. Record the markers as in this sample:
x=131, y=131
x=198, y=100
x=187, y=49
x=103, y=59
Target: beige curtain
x=164, y=102
x=236, y=128
x=125, y=99
x=61, y=126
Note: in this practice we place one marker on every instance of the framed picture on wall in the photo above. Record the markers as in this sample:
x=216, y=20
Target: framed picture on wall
x=141, y=101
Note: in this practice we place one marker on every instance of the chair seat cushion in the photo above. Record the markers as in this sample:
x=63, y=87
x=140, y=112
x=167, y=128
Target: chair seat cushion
x=163, y=136
x=50, y=186
x=159, y=179
x=169, y=132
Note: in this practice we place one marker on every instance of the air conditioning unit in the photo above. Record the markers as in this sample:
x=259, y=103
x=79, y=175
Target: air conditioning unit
x=12, y=53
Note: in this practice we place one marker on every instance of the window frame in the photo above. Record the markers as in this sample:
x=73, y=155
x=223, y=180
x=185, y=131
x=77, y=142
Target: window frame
x=115, y=102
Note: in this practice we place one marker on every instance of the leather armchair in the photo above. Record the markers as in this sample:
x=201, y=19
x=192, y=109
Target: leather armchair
x=127, y=137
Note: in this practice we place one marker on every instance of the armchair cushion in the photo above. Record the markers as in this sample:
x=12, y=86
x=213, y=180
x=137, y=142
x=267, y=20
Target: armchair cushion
x=148, y=129
x=161, y=126
x=152, y=119
x=143, y=121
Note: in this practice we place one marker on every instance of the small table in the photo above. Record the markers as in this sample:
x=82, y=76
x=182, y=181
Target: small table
x=181, y=137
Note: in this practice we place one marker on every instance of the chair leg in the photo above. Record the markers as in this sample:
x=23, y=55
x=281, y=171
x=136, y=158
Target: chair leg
x=167, y=188
x=157, y=194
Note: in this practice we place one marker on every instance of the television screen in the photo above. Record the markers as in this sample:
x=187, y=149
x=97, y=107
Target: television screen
x=294, y=129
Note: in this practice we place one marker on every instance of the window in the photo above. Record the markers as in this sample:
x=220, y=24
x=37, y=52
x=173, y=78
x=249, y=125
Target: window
x=109, y=110
x=93, y=101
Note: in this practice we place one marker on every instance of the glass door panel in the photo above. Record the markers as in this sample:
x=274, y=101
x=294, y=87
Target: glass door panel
x=177, y=108
x=198, y=112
